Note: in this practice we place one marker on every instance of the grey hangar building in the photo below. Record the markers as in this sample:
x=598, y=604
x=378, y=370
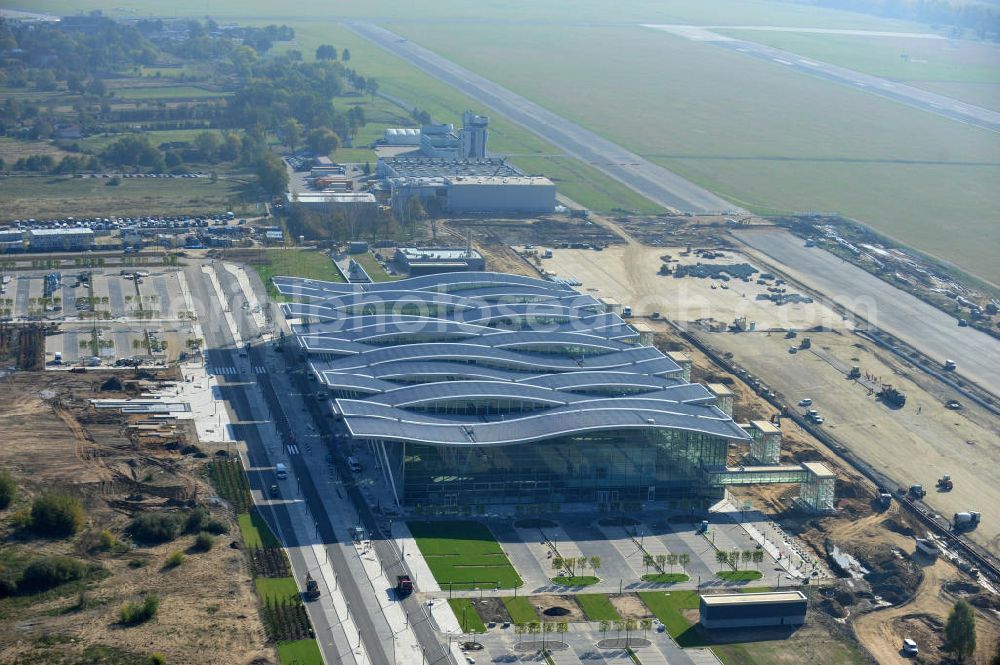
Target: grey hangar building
x=480, y=388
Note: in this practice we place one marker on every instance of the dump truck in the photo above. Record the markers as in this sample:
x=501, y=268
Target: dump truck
x=950, y=365
x=945, y=484
x=404, y=586
x=312, y=587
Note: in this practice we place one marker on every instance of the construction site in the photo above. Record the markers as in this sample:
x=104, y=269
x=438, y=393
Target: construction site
x=61, y=436
x=910, y=451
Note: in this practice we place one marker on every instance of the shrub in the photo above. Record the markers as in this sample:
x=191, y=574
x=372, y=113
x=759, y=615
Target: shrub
x=106, y=540
x=51, y=571
x=156, y=659
x=56, y=515
x=8, y=582
x=215, y=526
x=155, y=528
x=175, y=559
x=203, y=542
x=195, y=519
x=8, y=488
x=132, y=614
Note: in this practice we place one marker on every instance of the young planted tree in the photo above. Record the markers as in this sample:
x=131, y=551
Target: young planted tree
x=747, y=556
x=683, y=559
x=595, y=563
x=661, y=561
x=647, y=561
x=758, y=557
x=672, y=561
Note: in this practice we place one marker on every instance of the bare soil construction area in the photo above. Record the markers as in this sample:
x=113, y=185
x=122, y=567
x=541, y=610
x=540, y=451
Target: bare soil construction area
x=629, y=274
x=54, y=441
x=915, y=444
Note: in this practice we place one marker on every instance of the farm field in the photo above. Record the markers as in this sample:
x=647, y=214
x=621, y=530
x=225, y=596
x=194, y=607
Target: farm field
x=765, y=138
x=42, y=197
x=464, y=554
x=167, y=92
x=961, y=68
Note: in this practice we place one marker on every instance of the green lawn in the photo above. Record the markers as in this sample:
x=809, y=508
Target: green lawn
x=740, y=575
x=597, y=607
x=256, y=533
x=293, y=262
x=667, y=606
x=372, y=267
x=468, y=617
x=277, y=589
x=464, y=555
x=520, y=609
x=167, y=92
x=665, y=578
x=299, y=652
x=575, y=580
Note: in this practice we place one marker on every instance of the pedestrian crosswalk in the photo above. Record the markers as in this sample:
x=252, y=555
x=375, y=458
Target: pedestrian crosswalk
x=229, y=371
x=292, y=449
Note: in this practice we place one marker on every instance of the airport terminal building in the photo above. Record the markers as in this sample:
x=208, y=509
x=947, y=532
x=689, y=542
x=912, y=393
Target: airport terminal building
x=478, y=388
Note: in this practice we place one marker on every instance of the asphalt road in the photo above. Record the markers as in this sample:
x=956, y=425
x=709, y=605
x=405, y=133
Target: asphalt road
x=642, y=176
x=918, y=324
x=375, y=633
x=220, y=353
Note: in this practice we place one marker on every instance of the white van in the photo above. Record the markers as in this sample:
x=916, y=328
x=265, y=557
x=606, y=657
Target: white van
x=353, y=464
x=281, y=471
x=910, y=647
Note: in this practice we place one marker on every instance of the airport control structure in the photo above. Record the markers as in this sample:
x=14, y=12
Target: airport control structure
x=477, y=389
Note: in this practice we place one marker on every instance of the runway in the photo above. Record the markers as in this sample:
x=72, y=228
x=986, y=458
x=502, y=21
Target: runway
x=922, y=326
x=941, y=105
x=638, y=174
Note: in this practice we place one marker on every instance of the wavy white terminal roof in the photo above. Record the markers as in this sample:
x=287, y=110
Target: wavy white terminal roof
x=483, y=359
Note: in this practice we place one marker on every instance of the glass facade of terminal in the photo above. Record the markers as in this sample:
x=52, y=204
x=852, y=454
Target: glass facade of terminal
x=604, y=468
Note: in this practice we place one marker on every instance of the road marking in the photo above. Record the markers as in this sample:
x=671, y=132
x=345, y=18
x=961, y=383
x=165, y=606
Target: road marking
x=292, y=449
x=259, y=370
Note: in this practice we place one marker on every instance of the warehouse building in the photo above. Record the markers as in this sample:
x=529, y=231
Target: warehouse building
x=466, y=186
x=753, y=610
x=60, y=240
x=429, y=260
x=11, y=241
x=476, y=388
x=496, y=194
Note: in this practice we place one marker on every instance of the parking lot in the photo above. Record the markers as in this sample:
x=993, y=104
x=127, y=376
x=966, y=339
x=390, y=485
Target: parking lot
x=104, y=312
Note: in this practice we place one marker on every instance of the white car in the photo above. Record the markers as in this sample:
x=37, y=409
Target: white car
x=910, y=647
x=805, y=401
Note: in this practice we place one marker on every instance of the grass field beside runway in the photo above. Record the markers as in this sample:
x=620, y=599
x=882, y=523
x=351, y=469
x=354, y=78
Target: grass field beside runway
x=764, y=137
x=964, y=69
x=725, y=12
